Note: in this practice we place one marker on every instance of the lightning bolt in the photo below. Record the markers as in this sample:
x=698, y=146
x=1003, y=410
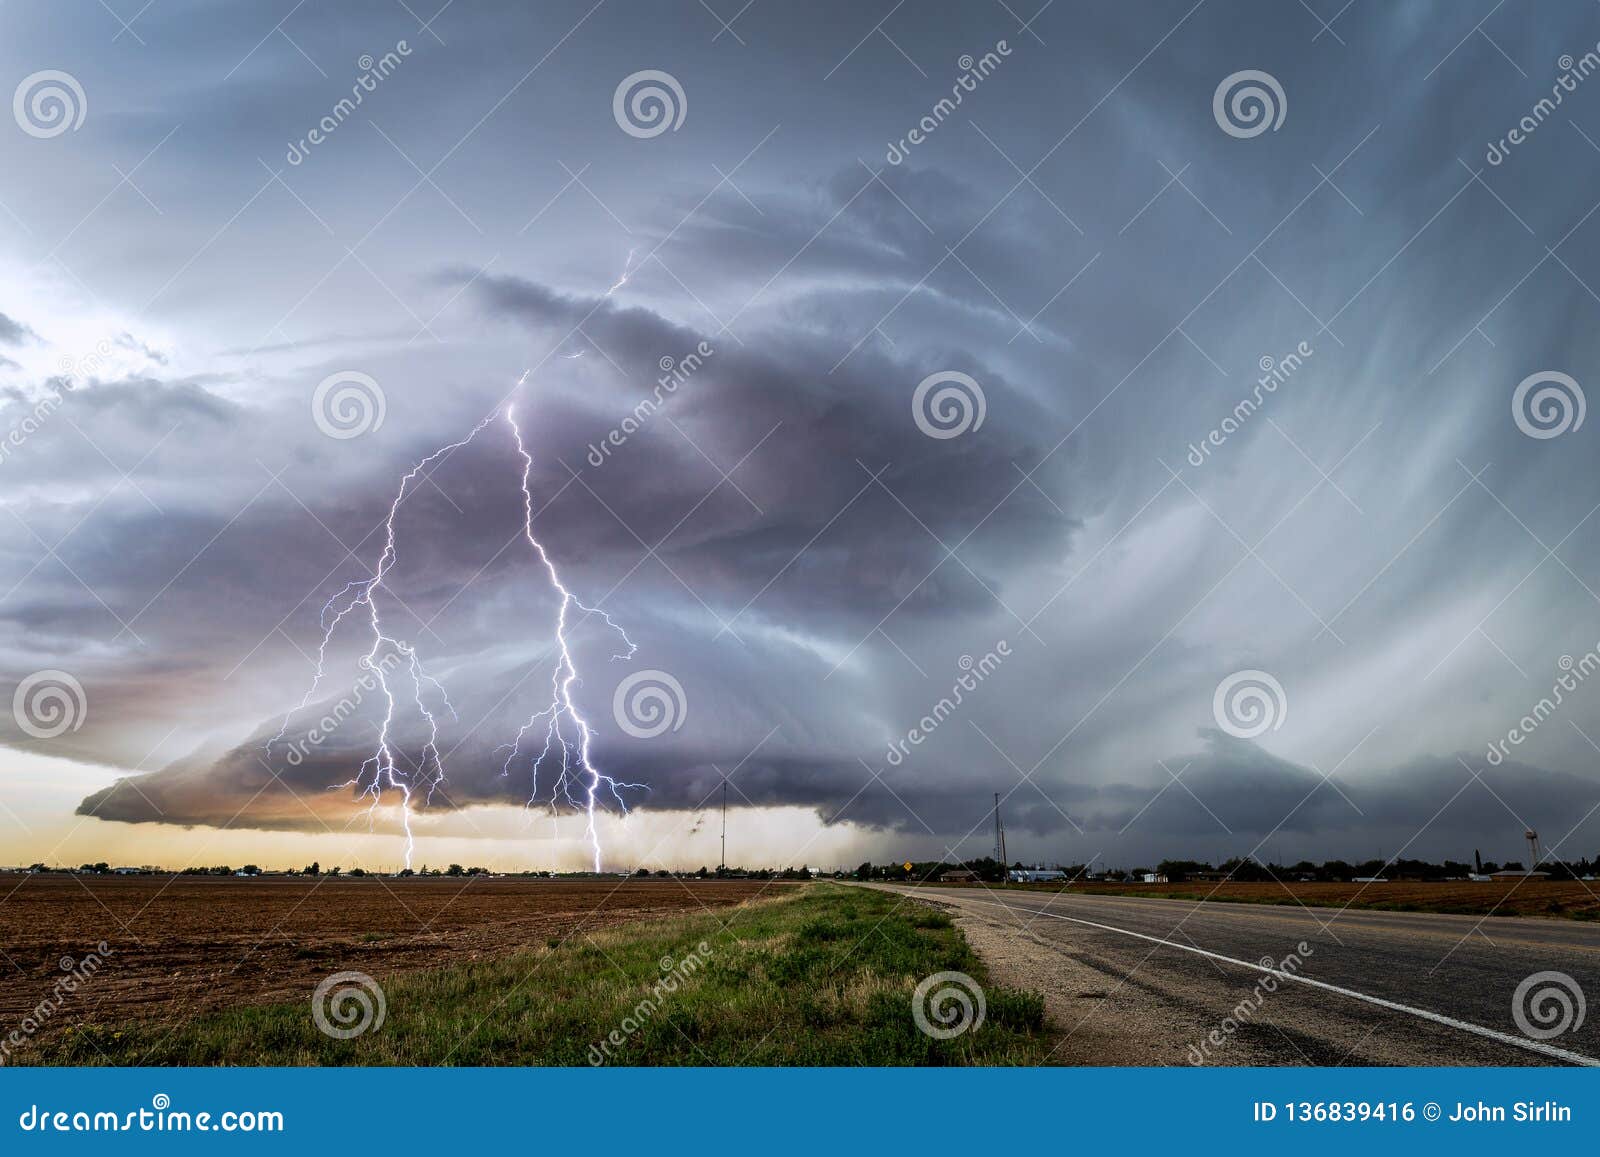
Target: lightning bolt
x=627, y=274
x=579, y=783
x=576, y=764
x=627, y=271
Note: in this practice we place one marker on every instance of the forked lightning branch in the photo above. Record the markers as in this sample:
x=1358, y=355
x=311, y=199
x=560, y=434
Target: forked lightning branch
x=558, y=730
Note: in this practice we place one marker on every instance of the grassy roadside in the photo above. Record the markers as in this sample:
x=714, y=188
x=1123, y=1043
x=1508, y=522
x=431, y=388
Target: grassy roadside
x=821, y=977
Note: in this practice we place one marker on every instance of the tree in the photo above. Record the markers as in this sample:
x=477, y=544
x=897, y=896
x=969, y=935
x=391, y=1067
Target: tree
x=358, y=871
x=1178, y=871
x=642, y=874
x=455, y=870
x=312, y=869
x=864, y=872
x=250, y=870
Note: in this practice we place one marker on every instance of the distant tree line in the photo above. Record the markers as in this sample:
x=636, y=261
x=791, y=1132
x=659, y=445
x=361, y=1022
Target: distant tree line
x=1240, y=869
x=987, y=869
x=1342, y=871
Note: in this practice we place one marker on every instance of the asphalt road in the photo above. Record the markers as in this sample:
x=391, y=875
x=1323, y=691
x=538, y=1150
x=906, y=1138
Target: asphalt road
x=1144, y=981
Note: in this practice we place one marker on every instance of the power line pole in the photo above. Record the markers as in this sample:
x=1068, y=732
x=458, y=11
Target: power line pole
x=722, y=867
x=999, y=836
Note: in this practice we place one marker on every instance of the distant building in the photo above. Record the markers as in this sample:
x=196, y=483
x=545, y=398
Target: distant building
x=1153, y=878
x=1035, y=875
x=1518, y=874
x=958, y=876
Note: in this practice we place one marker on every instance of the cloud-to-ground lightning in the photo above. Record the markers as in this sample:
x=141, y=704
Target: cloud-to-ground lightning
x=562, y=708
x=579, y=784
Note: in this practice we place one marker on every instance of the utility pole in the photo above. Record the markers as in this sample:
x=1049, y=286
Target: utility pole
x=999, y=838
x=998, y=854
x=724, y=865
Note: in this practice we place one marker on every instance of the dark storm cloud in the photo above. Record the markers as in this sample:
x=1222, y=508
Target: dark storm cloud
x=13, y=332
x=1079, y=236
x=776, y=391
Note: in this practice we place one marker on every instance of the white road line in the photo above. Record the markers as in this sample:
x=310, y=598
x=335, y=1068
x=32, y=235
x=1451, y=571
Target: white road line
x=1532, y=1046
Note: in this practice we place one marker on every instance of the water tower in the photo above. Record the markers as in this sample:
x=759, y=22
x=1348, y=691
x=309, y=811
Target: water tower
x=1533, y=848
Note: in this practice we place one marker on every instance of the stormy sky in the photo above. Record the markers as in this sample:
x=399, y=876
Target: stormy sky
x=1011, y=444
